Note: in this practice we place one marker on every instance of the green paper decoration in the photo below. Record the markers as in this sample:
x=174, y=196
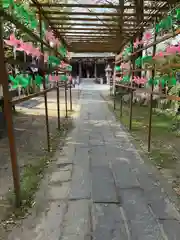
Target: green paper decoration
x=69, y=68
x=47, y=78
x=146, y=59
x=14, y=81
x=163, y=82
x=118, y=68
x=178, y=14
x=7, y=3
x=126, y=78
x=153, y=81
x=38, y=80
x=157, y=28
x=19, y=80
x=23, y=81
x=64, y=78
x=62, y=50
x=172, y=81
x=53, y=60
x=138, y=62
x=166, y=23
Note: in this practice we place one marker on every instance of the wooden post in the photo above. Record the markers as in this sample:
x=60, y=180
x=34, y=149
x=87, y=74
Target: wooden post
x=151, y=96
x=9, y=119
x=44, y=84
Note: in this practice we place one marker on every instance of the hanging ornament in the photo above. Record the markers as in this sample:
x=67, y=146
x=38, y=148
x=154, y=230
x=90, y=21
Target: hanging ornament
x=138, y=62
x=12, y=41
x=178, y=14
x=153, y=81
x=117, y=68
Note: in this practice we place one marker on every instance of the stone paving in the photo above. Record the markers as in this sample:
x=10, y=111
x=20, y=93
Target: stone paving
x=113, y=195
x=101, y=189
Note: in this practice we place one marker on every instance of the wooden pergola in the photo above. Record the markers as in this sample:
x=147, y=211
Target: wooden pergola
x=102, y=27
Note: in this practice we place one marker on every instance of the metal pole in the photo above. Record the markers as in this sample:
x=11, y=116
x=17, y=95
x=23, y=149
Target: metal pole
x=121, y=103
x=131, y=94
x=130, y=110
x=9, y=120
x=44, y=84
x=58, y=106
x=115, y=98
x=65, y=91
x=70, y=96
x=151, y=96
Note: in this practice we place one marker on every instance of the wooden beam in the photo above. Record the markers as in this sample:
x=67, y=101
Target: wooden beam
x=55, y=24
x=38, y=6
x=89, y=37
x=72, y=5
x=67, y=34
x=94, y=30
x=64, y=18
x=111, y=14
x=90, y=30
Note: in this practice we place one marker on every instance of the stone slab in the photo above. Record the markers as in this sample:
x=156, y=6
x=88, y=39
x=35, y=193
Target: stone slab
x=124, y=176
x=61, y=176
x=50, y=223
x=103, y=187
x=171, y=229
x=143, y=224
x=77, y=220
x=59, y=192
x=108, y=223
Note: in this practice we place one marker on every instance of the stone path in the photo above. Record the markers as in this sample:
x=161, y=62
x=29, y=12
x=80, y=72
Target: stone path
x=113, y=195
x=100, y=188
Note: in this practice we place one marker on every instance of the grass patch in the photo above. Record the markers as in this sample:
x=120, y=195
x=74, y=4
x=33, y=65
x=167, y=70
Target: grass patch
x=34, y=173
x=165, y=142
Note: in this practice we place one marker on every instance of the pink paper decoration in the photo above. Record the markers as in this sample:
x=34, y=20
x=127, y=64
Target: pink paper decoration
x=56, y=78
x=12, y=41
x=125, y=65
x=70, y=78
x=57, y=42
x=49, y=36
x=160, y=54
x=136, y=43
x=21, y=46
x=147, y=36
x=139, y=80
x=171, y=49
x=53, y=78
x=50, y=78
x=45, y=57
